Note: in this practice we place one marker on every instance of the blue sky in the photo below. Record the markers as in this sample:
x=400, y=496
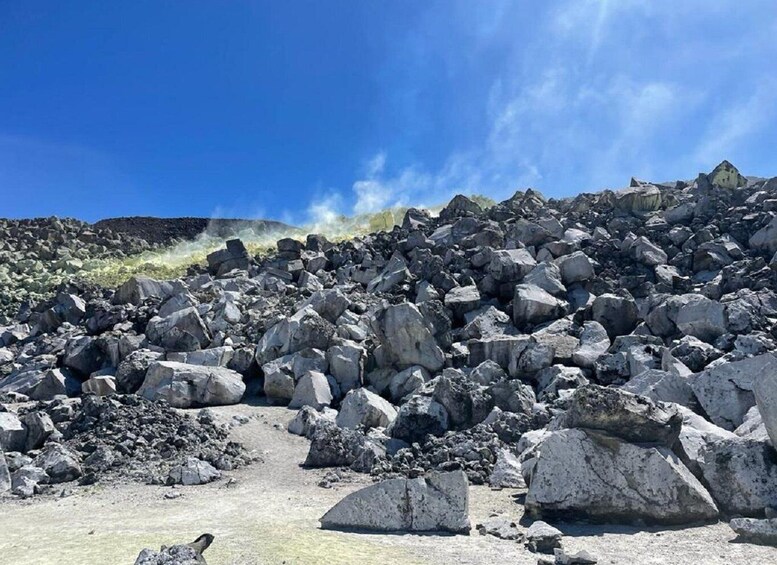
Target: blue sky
x=292, y=109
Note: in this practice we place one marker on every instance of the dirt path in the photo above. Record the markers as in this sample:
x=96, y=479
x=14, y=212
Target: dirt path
x=268, y=515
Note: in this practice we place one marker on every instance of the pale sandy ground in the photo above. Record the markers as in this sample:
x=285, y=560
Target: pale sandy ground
x=269, y=515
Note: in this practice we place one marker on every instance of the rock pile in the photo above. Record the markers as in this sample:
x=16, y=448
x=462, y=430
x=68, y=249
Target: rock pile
x=114, y=438
x=37, y=255
x=612, y=350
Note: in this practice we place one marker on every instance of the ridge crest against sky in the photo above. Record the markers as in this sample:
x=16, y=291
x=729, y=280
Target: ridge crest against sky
x=286, y=110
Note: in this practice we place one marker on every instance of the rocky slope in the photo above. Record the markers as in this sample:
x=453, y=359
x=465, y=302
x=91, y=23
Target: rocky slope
x=613, y=351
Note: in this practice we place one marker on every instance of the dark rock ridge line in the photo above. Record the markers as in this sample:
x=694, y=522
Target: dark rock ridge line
x=166, y=230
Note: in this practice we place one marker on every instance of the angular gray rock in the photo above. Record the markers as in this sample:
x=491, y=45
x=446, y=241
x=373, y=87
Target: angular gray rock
x=751, y=530
x=576, y=267
x=594, y=342
x=541, y=537
x=346, y=364
x=308, y=419
x=406, y=337
x=60, y=463
x=507, y=471
x=662, y=386
x=39, y=428
x=462, y=299
x=312, y=390
x=137, y=290
x=510, y=265
x=5, y=475
x=13, y=433
x=186, y=386
x=741, y=475
x=588, y=474
x=532, y=305
x=725, y=391
x=132, y=370
x=364, y=408
x=418, y=417
x=193, y=471
x=765, y=392
x=183, y=330
x=630, y=417
x=701, y=317
x=438, y=502
x=333, y=446
x=617, y=314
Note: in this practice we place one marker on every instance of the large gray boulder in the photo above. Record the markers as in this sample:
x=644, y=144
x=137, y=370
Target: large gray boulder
x=466, y=402
x=394, y=273
x=618, y=314
x=576, y=267
x=406, y=337
x=510, y=265
x=765, y=392
x=701, y=317
x=638, y=200
x=594, y=342
x=741, y=475
x=138, y=289
x=13, y=433
x=632, y=418
x=547, y=276
x=308, y=419
x=462, y=299
x=333, y=446
x=418, y=417
x=312, y=390
x=725, y=391
x=695, y=435
x=593, y=475
x=235, y=256
x=39, y=427
x=60, y=463
x=305, y=329
x=765, y=239
x=5, y=475
x=662, y=386
x=185, y=386
x=532, y=305
x=364, y=408
x=132, y=370
x=346, y=364
x=438, y=502
x=183, y=330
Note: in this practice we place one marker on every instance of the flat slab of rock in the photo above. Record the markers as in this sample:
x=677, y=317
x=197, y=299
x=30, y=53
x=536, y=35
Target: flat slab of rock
x=588, y=474
x=751, y=530
x=437, y=503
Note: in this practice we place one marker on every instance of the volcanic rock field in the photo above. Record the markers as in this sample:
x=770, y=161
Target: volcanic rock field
x=510, y=378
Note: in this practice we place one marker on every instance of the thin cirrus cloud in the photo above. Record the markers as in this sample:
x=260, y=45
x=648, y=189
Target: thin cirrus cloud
x=597, y=91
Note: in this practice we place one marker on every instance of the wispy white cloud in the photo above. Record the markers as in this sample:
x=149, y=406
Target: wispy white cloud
x=732, y=125
x=593, y=92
